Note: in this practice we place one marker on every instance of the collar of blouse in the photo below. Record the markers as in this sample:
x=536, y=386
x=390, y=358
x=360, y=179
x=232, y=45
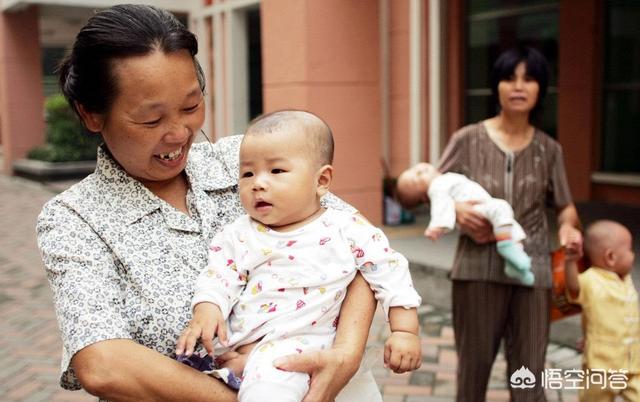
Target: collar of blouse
x=206, y=171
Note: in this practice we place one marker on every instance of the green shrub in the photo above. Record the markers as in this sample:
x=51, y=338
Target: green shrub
x=66, y=139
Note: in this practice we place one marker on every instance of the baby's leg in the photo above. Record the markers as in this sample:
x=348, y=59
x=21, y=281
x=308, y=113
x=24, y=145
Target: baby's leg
x=263, y=382
x=509, y=235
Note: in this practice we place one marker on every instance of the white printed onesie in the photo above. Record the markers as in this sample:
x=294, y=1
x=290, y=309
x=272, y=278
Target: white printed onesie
x=286, y=288
x=449, y=188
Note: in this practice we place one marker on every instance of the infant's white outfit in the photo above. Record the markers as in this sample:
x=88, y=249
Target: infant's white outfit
x=449, y=188
x=286, y=288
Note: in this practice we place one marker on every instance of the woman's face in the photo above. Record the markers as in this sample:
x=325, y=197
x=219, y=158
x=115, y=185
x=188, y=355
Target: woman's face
x=154, y=118
x=519, y=92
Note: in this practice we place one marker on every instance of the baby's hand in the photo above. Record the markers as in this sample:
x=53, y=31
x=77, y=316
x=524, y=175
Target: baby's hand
x=402, y=352
x=207, y=322
x=434, y=233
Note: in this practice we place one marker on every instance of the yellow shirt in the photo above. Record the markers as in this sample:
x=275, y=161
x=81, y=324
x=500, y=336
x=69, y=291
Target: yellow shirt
x=611, y=321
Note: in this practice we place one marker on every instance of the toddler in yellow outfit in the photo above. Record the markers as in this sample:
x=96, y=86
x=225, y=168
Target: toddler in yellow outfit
x=609, y=309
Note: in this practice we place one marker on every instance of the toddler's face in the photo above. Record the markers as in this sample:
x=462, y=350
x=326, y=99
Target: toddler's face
x=414, y=182
x=623, y=251
x=278, y=180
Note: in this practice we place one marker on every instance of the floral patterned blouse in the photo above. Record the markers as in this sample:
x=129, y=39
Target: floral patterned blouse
x=122, y=263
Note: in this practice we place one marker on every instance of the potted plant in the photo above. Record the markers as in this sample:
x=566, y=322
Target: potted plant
x=69, y=150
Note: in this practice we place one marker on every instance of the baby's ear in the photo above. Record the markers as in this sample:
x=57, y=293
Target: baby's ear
x=325, y=175
x=609, y=258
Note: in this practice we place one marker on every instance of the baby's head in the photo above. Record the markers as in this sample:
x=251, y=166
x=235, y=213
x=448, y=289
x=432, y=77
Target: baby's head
x=608, y=245
x=414, y=183
x=285, y=167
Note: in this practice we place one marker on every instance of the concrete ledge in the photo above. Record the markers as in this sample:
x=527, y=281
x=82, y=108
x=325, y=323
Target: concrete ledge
x=52, y=170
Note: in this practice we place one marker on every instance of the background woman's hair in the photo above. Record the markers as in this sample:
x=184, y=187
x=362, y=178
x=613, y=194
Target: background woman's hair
x=537, y=68
x=86, y=73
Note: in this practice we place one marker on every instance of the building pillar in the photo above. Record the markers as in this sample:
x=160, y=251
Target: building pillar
x=578, y=78
x=21, y=98
x=323, y=56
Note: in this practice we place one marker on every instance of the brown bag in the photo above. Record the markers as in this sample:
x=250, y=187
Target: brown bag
x=560, y=306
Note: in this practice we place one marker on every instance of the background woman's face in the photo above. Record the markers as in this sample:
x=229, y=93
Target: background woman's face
x=519, y=92
x=154, y=118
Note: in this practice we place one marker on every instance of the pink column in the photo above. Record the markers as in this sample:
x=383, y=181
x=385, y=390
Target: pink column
x=21, y=98
x=323, y=56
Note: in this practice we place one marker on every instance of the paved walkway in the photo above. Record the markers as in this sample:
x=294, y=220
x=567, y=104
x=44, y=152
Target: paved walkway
x=30, y=345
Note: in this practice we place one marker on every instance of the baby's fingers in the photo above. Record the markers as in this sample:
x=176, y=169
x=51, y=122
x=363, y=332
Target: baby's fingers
x=387, y=355
x=395, y=359
x=207, y=339
x=408, y=363
x=181, y=344
x=187, y=341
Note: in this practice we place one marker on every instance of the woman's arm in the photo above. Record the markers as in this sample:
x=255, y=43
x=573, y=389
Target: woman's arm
x=331, y=369
x=569, y=234
x=123, y=370
x=87, y=289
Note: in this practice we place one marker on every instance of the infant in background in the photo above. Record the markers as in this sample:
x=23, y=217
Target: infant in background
x=424, y=183
x=279, y=274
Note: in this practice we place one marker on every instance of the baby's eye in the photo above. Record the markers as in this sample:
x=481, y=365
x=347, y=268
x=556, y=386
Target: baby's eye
x=247, y=174
x=276, y=171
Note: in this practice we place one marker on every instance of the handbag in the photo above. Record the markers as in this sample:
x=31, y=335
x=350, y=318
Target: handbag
x=560, y=305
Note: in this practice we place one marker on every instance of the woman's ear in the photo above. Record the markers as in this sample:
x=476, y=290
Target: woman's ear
x=92, y=121
x=325, y=175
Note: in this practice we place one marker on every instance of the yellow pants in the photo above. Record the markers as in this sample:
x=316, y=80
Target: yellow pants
x=629, y=394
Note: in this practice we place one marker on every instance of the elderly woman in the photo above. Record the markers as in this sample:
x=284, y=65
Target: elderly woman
x=515, y=161
x=123, y=247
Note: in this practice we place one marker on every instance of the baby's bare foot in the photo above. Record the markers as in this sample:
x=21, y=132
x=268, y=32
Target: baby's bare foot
x=236, y=360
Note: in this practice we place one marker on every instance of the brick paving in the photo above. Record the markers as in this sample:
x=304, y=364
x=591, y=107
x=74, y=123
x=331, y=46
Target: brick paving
x=435, y=380
x=30, y=345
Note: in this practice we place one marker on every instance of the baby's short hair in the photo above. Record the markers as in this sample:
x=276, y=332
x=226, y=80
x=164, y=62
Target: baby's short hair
x=320, y=137
x=600, y=235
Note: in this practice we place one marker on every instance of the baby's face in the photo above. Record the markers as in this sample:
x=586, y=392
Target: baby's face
x=623, y=251
x=414, y=182
x=278, y=180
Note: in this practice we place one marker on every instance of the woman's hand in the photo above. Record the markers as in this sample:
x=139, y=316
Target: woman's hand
x=570, y=239
x=330, y=370
x=207, y=322
x=473, y=224
x=569, y=234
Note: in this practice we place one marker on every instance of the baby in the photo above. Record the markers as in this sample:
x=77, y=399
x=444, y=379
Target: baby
x=278, y=275
x=423, y=182
x=609, y=309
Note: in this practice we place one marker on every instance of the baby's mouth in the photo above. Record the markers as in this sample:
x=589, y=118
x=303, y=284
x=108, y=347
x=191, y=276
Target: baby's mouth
x=262, y=204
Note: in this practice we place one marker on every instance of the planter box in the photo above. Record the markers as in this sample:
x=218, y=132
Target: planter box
x=40, y=170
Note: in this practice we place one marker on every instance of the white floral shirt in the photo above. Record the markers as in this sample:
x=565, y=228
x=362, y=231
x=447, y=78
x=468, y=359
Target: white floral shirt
x=122, y=263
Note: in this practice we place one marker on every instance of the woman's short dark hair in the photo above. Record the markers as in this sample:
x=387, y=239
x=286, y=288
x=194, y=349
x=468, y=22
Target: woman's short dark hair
x=537, y=67
x=86, y=73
